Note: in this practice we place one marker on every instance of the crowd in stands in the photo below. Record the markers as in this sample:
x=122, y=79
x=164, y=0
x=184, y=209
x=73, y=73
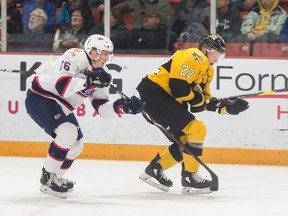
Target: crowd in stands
x=57, y=25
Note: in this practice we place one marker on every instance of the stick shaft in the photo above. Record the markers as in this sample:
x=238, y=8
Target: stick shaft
x=257, y=94
x=214, y=177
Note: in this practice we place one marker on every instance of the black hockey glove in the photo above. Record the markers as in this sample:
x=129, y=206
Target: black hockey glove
x=213, y=104
x=233, y=107
x=97, y=78
x=130, y=106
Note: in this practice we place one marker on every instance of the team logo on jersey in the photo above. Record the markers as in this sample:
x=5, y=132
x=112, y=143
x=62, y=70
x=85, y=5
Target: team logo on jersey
x=86, y=92
x=77, y=50
x=197, y=57
x=57, y=116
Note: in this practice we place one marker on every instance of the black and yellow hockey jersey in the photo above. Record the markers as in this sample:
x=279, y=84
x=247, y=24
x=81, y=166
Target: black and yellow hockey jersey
x=182, y=72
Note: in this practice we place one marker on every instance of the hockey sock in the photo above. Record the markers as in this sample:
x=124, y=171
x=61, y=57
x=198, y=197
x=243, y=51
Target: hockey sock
x=190, y=164
x=55, y=157
x=64, y=167
x=167, y=160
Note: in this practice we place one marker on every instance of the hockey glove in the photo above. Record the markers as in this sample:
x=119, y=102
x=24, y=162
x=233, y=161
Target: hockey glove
x=129, y=106
x=213, y=104
x=198, y=103
x=233, y=107
x=97, y=78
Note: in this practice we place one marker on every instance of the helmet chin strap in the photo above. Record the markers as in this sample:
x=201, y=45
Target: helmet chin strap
x=93, y=60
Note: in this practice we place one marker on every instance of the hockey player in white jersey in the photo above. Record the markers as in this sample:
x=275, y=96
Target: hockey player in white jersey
x=62, y=87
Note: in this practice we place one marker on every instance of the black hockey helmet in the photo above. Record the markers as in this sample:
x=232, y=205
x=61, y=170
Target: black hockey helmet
x=213, y=41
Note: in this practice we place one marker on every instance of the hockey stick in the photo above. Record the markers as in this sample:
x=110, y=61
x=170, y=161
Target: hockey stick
x=214, y=177
x=39, y=69
x=256, y=94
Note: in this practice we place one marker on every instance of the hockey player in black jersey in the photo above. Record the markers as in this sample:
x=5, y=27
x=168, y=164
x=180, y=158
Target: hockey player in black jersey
x=184, y=81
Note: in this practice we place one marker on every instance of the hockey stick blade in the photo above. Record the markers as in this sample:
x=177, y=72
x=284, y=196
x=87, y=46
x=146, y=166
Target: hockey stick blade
x=214, y=178
x=43, y=66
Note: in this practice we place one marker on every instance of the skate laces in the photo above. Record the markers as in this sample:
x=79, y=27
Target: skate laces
x=66, y=181
x=53, y=178
x=163, y=175
x=198, y=178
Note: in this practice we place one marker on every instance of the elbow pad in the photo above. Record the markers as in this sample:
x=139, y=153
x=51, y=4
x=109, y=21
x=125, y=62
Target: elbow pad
x=197, y=103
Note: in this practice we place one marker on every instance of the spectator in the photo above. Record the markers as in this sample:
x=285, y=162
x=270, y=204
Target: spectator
x=196, y=30
x=244, y=5
x=74, y=35
x=13, y=17
x=33, y=38
x=66, y=9
x=228, y=20
x=186, y=13
x=151, y=35
x=136, y=6
x=118, y=34
x=263, y=23
x=284, y=33
x=46, y=5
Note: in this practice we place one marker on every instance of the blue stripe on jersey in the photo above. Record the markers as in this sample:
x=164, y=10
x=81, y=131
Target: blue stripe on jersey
x=39, y=90
x=62, y=84
x=96, y=103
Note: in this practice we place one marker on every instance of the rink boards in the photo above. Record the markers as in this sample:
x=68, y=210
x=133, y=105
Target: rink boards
x=257, y=136
x=147, y=152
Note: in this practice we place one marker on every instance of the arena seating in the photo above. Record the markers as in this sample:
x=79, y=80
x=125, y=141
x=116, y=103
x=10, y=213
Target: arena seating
x=184, y=45
x=238, y=49
x=284, y=4
x=270, y=50
x=232, y=49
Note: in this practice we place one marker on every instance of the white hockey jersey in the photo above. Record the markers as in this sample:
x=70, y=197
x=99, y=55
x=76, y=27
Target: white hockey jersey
x=64, y=81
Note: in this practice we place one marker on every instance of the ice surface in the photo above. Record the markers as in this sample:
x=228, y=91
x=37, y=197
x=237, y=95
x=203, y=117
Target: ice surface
x=113, y=188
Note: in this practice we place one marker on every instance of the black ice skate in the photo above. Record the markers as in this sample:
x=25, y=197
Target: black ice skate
x=69, y=184
x=155, y=171
x=193, y=183
x=52, y=185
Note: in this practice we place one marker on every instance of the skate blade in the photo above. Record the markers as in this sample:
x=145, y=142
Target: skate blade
x=147, y=179
x=193, y=191
x=45, y=189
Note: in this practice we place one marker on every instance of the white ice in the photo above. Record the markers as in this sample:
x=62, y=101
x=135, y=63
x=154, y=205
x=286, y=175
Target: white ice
x=112, y=188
